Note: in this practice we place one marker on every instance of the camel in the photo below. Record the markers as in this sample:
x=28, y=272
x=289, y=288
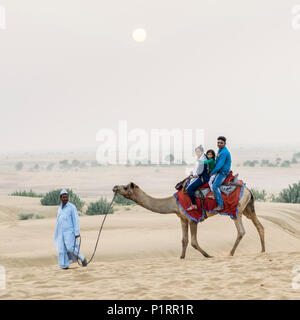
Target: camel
x=169, y=205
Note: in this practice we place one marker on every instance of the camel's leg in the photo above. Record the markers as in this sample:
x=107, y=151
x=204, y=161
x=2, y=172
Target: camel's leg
x=250, y=214
x=240, y=233
x=185, y=237
x=193, y=227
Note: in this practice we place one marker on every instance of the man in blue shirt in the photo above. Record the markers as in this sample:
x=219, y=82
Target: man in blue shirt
x=67, y=230
x=222, y=169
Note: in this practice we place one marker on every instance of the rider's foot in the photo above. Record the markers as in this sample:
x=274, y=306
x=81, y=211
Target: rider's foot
x=192, y=207
x=218, y=208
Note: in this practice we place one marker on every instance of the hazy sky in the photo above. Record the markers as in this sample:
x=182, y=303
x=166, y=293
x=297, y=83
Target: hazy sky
x=69, y=68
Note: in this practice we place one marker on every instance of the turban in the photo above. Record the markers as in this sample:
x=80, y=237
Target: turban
x=64, y=191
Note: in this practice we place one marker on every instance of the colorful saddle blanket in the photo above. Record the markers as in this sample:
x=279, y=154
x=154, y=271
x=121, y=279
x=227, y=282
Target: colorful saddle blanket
x=231, y=202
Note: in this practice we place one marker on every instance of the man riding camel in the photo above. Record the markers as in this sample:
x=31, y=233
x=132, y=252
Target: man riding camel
x=222, y=169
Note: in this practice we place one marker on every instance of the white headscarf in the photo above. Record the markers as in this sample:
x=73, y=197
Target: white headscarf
x=64, y=191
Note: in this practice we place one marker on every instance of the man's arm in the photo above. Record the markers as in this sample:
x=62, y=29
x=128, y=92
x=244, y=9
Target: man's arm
x=75, y=219
x=220, y=163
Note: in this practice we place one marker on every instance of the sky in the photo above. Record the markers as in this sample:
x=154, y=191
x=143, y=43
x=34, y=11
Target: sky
x=69, y=68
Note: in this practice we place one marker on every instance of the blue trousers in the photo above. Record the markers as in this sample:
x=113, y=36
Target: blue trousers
x=193, y=186
x=216, y=188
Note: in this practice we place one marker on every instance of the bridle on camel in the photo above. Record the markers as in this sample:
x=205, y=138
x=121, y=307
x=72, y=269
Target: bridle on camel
x=99, y=233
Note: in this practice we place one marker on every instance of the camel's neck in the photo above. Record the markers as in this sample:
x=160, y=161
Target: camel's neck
x=164, y=205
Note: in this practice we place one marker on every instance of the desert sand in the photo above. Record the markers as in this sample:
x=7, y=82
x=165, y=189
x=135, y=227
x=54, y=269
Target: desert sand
x=138, y=254
x=138, y=257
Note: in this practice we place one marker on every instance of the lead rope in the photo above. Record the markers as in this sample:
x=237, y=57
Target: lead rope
x=99, y=233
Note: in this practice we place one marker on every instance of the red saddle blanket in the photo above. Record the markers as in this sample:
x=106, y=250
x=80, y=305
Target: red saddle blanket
x=229, y=178
x=230, y=203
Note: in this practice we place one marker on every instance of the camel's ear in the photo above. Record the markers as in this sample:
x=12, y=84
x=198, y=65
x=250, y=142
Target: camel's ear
x=132, y=185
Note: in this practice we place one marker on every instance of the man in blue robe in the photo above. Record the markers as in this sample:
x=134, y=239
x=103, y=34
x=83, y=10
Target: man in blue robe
x=222, y=169
x=67, y=230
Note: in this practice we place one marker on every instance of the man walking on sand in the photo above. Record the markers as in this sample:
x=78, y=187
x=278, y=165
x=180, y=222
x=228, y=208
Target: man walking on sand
x=222, y=169
x=67, y=230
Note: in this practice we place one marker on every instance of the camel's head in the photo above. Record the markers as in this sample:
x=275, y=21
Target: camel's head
x=127, y=191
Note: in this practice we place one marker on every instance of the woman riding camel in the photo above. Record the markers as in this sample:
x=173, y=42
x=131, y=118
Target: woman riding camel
x=200, y=176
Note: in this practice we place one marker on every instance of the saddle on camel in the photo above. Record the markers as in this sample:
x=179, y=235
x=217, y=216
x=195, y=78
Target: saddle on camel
x=232, y=190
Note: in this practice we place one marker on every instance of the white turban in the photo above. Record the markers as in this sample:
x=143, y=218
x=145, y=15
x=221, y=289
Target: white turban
x=64, y=191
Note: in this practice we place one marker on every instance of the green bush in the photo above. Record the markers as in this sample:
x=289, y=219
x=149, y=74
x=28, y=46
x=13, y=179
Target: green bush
x=29, y=216
x=95, y=164
x=37, y=216
x=285, y=164
x=249, y=163
x=259, y=195
x=170, y=158
x=294, y=160
x=296, y=155
x=100, y=207
x=289, y=195
x=75, y=163
x=26, y=194
x=52, y=198
x=64, y=164
x=26, y=216
x=19, y=166
x=50, y=166
x=119, y=199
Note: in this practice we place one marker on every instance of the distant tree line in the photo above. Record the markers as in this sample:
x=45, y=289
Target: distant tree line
x=278, y=162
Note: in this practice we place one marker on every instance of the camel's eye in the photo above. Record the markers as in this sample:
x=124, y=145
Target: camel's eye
x=131, y=185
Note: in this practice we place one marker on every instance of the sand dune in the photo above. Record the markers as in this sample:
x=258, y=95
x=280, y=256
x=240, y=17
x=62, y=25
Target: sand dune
x=138, y=257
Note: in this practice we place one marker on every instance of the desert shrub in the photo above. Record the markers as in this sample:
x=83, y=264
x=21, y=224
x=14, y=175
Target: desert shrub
x=294, y=160
x=100, y=207
x=64, y=164
x=25, y=193
x=264, y=162
x=95, y=164
x=29, y=216
x=50, y=166
x=25, y=216
x=259, y=195
x=19, y=166
x=37, y=216
x=273, y=198
x=128, y=164
x=119, y=199
x=52, y=198
x=82, y=165
x=296, y=155
x=249, y=163
x=289, y=195
x=75, y=163
x=285, y=164
x=170, y=158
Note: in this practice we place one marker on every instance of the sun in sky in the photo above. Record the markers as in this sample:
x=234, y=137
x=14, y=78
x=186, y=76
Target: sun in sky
x=139, y=35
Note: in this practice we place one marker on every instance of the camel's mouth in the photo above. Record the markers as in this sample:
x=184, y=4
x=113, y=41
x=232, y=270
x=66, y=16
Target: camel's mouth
x=125, y=191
